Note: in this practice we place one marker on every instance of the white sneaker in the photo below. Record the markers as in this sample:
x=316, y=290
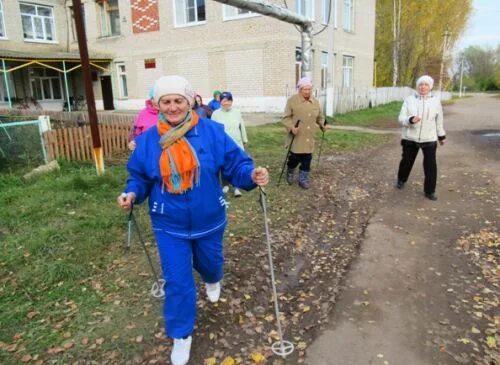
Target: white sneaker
x=213, y=292
x=237, y=192
x=180, y=351
x=225, y=189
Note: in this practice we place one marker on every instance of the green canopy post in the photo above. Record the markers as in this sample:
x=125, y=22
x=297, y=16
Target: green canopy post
x=4, y=69
x=66, y=85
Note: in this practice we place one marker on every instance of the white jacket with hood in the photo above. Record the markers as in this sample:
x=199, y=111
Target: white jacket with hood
x=429, y=109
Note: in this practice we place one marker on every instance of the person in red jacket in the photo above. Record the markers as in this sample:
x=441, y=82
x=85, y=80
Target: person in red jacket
x=146, y=118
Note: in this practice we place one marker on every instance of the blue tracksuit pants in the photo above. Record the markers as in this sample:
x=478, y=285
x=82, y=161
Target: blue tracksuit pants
x=178, y=257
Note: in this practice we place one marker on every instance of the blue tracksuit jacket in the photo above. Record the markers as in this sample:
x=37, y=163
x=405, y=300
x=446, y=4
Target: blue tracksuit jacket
x=200, y=211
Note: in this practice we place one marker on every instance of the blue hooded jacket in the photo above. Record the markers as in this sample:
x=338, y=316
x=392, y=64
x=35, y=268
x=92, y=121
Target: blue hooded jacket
x=201, y=210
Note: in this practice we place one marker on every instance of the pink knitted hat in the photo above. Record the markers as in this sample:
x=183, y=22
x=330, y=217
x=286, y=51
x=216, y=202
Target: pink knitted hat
x=305, y=81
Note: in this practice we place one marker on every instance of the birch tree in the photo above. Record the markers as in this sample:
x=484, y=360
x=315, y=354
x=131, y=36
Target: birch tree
x=409, y=37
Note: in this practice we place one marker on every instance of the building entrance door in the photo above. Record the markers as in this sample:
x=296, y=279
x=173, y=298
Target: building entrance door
x=107, y=93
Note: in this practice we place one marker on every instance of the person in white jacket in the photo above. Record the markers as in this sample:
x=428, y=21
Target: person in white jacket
x=421, y=118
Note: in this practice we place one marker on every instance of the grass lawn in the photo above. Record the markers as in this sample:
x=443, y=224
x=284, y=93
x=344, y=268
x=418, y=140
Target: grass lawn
x=69, y=291
x=384, y=116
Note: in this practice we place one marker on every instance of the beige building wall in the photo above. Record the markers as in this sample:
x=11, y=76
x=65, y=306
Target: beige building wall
x=254, y=57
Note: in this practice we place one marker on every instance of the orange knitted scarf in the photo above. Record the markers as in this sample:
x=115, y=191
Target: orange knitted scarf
x=179, y=165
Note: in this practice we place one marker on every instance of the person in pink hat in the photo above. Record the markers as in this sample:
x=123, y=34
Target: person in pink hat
x=303, y=116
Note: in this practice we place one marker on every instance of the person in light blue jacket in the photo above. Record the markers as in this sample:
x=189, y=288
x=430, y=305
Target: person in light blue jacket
x=176, y=165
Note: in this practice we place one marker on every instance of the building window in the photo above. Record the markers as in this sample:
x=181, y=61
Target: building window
x=189, y=12
x=73, y=23
x=324, y=70
x=347, y=71
x=298, y=64
x=38, y=22
x=109, y=17
x=305, y=8
x=348, y=15
x=2, y=24
x=231, y=12
x=45, y=84
x=325, y=11
x=122, y=80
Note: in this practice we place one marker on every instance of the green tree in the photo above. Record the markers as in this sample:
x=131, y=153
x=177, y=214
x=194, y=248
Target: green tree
x=481, y=68
x=418, y=39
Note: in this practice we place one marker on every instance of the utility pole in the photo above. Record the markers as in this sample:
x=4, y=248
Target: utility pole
x=446, y=34
x=461, y=76
x=89, y=92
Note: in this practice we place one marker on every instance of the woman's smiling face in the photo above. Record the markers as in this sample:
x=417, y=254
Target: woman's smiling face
x=174, y=107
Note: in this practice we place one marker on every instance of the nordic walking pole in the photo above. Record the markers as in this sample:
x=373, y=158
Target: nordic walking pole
x=129, y=233
x=321, y=146
x=282, y=348
x=157, y=290
x=288, y=153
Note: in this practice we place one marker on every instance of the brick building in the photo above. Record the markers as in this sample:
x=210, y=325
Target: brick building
x=213, y=45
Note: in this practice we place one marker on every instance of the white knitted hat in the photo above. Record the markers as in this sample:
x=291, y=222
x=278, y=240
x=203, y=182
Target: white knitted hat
x=174, y=85
x=427, y=79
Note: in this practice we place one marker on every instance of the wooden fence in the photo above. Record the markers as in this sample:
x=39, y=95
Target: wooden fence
x=75, y=143
x=74, y=118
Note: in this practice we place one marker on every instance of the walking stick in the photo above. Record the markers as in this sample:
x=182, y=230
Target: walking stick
x=129, y=231
x=157, y=290
x=321, y=144
x=288, y=153
x=282, y=348
x=320, y=147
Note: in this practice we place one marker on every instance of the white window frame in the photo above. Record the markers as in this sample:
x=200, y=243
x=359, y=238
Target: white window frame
x=347, y=71
x=226, y=9
x=335, y=7
x=325, y=6
x=103, y=13
x=33, y=18
x=180, y=23
x=302, y=6
x=73, y=23
x=348, y=16
x=324, y=69
x=121, y=76
x=3, y=34
x=41, y=79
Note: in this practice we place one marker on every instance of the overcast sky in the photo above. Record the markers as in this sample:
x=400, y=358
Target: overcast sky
x=484, y=25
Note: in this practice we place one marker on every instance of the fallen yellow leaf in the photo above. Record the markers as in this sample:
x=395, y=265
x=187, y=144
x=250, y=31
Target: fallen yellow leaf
x=269, y=318
x=257, y=357
x=228, y=361
x=491, y=342
x=301, y=345
x=210, y=361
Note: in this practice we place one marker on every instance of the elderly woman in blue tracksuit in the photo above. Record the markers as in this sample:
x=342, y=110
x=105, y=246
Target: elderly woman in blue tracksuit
x=177, y=165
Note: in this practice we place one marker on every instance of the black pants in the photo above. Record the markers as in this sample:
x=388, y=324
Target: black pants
x=410, y=151
x=303, y=158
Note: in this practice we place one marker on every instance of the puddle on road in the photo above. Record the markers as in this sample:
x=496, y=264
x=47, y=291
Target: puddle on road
x=489, y=134
x=493, y=135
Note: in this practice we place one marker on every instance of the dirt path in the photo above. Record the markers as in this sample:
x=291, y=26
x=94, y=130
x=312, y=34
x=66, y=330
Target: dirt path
x=411, y=297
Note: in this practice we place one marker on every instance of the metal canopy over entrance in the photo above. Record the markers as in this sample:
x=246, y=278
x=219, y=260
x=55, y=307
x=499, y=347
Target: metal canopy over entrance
x=62, y=62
